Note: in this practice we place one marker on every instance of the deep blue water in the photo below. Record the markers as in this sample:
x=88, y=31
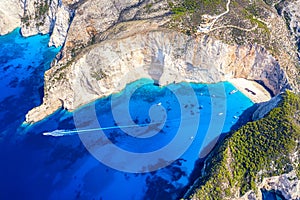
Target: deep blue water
x=36, y=166
x=271, y=195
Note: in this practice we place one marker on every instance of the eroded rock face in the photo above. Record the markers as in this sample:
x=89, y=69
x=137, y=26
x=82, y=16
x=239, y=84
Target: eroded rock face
x=92, y=18
x=44, y=17
x=265, y=107
x=61, y=26
x=36, y=16
x=10, y=15
x=290, y=11
x=287, y=184
x=162, y=55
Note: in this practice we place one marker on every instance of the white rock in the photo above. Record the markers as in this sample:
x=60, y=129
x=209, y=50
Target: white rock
x=10, y=15
x=287, y=184
x=107, y=67
x=61, y=27
x=56, y=21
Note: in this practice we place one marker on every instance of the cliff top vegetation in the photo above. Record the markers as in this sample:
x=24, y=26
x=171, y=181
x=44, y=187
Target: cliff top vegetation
x=259, y=149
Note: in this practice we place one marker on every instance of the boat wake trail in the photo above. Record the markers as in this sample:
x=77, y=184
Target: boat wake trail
x=60, y=133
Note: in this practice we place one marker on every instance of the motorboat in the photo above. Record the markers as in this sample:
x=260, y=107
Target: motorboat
x=233, y=91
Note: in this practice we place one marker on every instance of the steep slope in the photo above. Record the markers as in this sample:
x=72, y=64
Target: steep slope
x=109, y=43
x=264, y=148
x=107, y=67
x=10, y=18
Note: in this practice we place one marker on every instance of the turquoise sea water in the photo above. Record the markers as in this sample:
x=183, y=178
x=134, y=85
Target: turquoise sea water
x=37, y=166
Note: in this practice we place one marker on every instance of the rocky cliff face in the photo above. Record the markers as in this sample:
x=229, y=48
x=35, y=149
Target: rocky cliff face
x=93, y=18
x=37, y=16
x=265, y=107
x=74, y=24
x=105, y=47
x=290, y=11
x=107, y=67
x=10, y=15
x=288, y=185
x=45, y=16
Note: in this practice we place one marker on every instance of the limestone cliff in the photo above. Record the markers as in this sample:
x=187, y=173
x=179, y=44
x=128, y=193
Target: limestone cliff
x=288, y=185
x=45, y=16
x=93, y=18
x=265, y=107
x=37, y=16
x=107, y=67
x=10, y=18
x=107, y=44
x=243, y=22
x=290, y=11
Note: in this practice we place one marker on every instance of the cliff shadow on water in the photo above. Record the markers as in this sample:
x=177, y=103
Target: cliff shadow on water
x=23, y=62
x=196, y=178
x=272, y=195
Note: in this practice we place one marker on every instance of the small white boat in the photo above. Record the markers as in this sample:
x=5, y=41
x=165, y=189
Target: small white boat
x=221, y=113
x=192, y=137
x=159, y=104
x=233, y=91
x=56, y=133
x=235, y=117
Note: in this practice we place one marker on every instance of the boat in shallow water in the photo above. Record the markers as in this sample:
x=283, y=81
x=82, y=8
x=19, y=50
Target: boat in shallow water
x=233, y=91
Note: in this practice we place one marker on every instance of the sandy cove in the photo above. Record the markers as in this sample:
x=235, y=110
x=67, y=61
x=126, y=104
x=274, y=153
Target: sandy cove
x=253, y=90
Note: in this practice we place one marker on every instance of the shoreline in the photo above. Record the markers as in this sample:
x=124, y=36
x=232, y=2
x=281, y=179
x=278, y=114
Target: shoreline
x=241, y=84
x=253, y=90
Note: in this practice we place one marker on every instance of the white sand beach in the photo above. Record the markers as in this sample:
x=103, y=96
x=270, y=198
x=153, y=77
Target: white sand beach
x=253, y=90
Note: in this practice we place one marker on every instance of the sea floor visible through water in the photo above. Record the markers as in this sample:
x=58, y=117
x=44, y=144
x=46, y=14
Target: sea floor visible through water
x=39, y=166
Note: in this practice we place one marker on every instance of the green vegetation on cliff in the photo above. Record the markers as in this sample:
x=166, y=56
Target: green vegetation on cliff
x=41, y=9
x=244, y=22
x=191, y=6
x=188, y=14
x=259, y=149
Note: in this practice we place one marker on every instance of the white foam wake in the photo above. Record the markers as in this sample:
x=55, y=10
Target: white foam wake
x=60, y=133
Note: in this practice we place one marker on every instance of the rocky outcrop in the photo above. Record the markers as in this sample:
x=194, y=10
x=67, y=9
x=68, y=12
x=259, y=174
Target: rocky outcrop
x=36, y=16
x=288, y=185
x=265, y=107
x=290, y=11
x=107, y=67
x=93, y=18
x=61, y=26
x=10, y=15
x=102, y=54
x=44, y=17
